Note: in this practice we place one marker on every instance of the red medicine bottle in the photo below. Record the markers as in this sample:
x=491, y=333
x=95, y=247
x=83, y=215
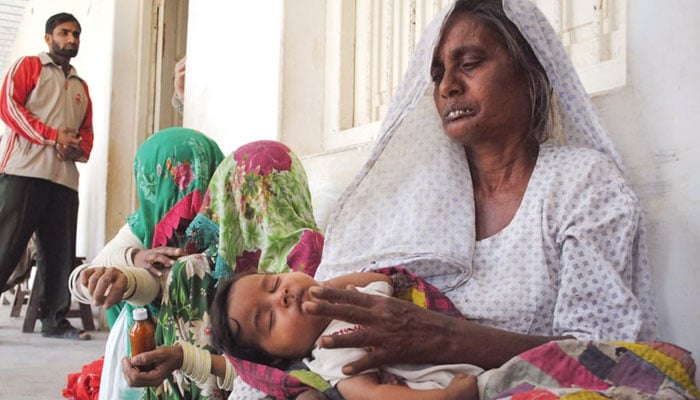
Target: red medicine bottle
x=142, y=335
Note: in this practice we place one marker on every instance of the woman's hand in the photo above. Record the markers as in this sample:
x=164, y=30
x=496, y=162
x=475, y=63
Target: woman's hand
x=157, y=364
x=396, y=331
x=179, y=84
x=106, y=285
x=154, y=260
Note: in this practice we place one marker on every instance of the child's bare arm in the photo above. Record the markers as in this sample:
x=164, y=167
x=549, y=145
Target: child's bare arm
x=358, y=279
x=367, y=387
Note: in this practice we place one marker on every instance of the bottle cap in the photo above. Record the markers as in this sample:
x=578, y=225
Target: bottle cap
x=140, y=314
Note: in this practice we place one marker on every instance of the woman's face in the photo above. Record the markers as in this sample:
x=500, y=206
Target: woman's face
x=480, y=93
x=265, y=311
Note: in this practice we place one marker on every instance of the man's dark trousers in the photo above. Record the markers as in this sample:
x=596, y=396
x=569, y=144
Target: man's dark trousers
x=32, y=204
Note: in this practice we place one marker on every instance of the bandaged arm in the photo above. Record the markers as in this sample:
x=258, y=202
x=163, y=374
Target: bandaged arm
x=142, y=287
x=119, y=252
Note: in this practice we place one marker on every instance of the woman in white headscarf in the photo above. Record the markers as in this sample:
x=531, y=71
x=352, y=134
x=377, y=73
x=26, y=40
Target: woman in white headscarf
x=495, y=180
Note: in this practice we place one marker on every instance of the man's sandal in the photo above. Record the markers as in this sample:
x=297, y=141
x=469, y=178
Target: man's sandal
x=70, y=334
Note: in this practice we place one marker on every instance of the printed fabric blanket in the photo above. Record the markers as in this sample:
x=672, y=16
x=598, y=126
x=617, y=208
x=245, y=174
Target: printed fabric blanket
x=581, y=369
x=567, y=369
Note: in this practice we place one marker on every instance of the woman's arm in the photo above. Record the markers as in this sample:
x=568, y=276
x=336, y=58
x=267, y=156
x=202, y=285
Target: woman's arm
x=192, y=361
x=126, y=250
x=604, y=285
x=117, y=272
x=107, y=286
x=421, y=335
x=368, y=387
x=161, y=361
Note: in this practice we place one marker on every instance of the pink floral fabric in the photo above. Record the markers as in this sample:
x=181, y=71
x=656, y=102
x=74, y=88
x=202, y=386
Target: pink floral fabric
x=306, y=255
x=256, y=216
x=262, y=157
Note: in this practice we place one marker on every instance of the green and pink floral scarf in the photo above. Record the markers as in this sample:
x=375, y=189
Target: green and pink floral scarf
x=172, y=169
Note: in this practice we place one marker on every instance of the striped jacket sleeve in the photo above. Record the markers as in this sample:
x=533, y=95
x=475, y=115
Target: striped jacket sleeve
x=86, y=133
x=18, y=85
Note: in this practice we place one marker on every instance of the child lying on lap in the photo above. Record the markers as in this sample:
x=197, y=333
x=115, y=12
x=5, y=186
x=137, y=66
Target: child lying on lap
x=259, y=318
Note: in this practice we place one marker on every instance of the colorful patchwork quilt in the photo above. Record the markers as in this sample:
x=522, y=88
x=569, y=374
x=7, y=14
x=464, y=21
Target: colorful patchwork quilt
x=580, y=369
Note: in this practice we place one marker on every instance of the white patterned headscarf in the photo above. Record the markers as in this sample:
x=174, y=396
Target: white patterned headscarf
x=412, y=204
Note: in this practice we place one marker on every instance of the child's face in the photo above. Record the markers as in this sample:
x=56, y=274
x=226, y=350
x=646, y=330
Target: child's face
x=265, y=311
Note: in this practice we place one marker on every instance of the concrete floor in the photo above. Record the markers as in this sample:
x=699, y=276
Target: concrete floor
x=34, y=367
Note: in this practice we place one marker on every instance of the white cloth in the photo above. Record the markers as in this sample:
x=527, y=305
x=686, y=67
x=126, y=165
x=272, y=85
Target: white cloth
x=412, y=204
x=243, y=391
x=328, y=362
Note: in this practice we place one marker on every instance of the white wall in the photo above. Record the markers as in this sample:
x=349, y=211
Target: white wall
x=655, y=120
x=233, y=68
x=303, y=76
x=93, y=63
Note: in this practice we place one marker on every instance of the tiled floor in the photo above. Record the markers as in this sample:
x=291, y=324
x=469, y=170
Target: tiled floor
x=34, y=367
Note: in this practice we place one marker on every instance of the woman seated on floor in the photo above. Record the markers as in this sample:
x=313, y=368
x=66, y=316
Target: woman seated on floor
x=494, y=179
x=172, y=169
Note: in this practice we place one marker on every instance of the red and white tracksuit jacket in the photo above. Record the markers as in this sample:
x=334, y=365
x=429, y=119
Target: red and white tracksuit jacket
x=36, y=100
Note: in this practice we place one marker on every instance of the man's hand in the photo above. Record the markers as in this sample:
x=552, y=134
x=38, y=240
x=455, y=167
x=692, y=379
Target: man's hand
x=154, y=260
x=68, y=145
x=69, y=152
x=68, y=137
x=106, y=285
x=157, y=365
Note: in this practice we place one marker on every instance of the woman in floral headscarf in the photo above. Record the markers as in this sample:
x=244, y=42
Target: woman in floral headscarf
x=257, y=216
x=172, y=169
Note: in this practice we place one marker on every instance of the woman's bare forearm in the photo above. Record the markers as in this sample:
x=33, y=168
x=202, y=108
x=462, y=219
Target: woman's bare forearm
x=401, y=332
x=218, y=366
x=468, y=342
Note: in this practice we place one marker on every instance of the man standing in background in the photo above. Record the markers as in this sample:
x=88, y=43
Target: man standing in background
x=48, y=112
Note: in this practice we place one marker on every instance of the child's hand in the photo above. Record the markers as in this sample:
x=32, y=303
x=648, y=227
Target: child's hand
x=463, y=387
x=312, y=395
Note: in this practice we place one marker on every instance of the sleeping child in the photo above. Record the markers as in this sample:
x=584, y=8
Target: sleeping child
x=259, y=318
